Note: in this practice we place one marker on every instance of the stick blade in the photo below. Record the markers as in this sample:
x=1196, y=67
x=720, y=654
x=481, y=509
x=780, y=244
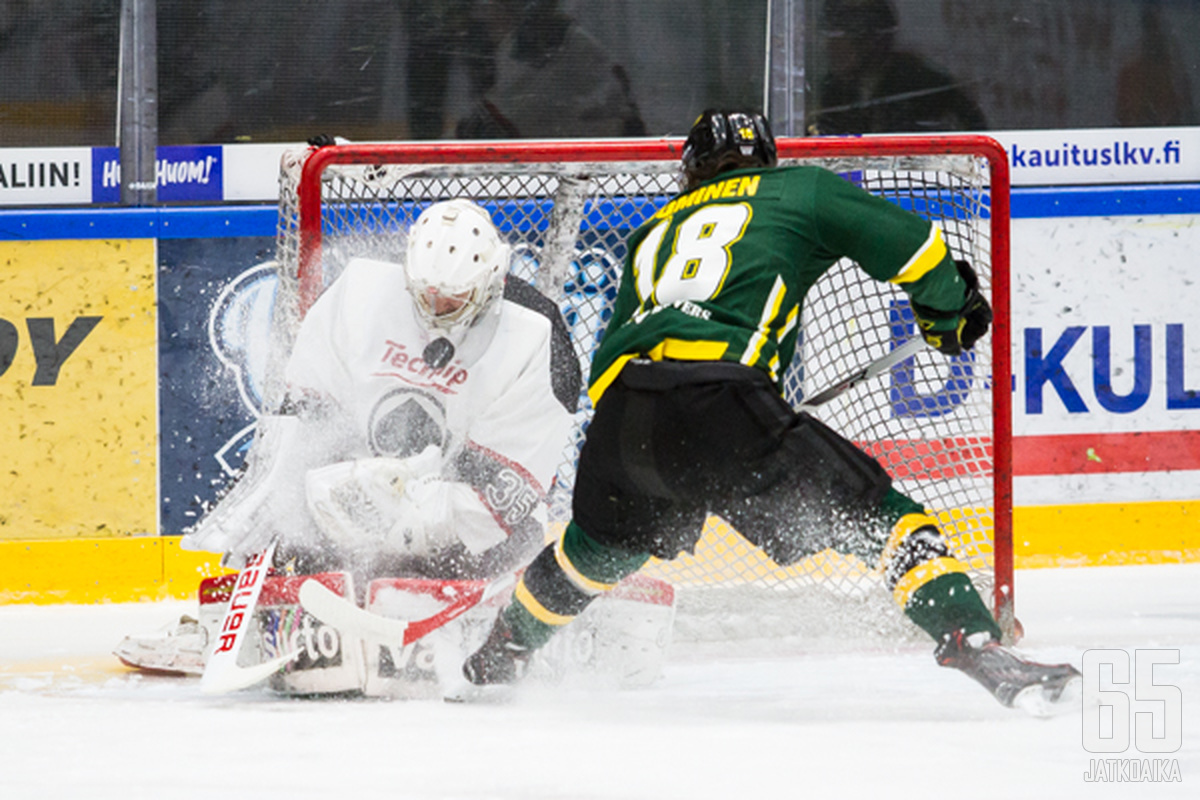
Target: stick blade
x=335, y=610
x=876, y=367
x=235, y=678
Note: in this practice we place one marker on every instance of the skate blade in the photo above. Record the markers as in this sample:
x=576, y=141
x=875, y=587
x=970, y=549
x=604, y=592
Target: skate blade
x=1041, y=701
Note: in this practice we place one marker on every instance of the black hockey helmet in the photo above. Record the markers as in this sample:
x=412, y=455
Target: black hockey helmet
x=721, y=140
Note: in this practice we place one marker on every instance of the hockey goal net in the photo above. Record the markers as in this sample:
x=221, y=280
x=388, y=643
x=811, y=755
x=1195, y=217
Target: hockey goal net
x=940, y=426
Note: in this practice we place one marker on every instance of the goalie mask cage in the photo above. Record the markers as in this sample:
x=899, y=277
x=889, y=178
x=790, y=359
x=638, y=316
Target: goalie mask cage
x=939, y=425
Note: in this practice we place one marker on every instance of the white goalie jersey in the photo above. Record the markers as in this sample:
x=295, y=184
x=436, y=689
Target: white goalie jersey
x=388, y=457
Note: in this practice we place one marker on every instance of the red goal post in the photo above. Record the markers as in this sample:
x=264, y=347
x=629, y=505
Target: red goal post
x=567, y=206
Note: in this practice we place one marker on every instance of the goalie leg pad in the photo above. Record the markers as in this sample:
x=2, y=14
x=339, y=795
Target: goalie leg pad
x=330, y=661
x=427, y=667
x=620, y=641
x=182, y=647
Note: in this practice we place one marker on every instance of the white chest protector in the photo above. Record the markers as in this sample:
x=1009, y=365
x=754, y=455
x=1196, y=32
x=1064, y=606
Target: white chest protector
x=491, y=425
x=492, y=410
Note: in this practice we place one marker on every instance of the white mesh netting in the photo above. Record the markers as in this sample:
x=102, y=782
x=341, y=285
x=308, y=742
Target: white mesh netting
x=929, y=421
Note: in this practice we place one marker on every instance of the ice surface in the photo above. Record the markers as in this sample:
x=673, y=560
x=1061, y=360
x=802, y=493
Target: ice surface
x=881, y=722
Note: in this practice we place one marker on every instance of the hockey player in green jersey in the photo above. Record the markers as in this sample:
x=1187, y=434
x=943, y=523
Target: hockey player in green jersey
x=689, y=419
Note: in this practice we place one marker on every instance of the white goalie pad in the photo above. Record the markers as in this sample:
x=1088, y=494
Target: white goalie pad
x=329, y=661
x=179, y=648
x=446, y=619
x=183, y=646
x=423, y=631
x=620, y=641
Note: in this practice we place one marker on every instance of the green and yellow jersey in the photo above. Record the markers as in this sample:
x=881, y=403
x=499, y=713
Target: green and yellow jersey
x=720, y=272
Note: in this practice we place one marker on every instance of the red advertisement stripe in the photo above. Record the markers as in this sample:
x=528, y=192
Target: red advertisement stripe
x=1149, y=451
x=933, y=459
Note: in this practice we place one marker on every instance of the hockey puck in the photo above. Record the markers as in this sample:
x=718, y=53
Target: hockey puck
x=438, y=353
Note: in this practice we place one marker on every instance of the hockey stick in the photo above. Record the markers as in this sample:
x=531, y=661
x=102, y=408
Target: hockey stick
x=877, y=367
x=222, y=673
x=342, y=613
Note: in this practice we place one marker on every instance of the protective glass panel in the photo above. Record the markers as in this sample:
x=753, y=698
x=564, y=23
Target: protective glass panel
x=281, y=70
x=914, y=66
x=58, y=59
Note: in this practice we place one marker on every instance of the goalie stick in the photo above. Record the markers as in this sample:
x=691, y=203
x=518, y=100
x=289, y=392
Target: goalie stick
x=342, y=613
x=222, y=673
x=876, y=367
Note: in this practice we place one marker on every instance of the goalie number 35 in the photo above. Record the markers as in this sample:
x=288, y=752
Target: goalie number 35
x=699, y=258
x=510, y=496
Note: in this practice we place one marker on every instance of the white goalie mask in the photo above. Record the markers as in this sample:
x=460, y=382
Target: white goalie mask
x=455, y=266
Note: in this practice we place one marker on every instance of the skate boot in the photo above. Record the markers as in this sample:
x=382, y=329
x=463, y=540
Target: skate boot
x=499, y=660
x=1038, y=689
x=178, y=649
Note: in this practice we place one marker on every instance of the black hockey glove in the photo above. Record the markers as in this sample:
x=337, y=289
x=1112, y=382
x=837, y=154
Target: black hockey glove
x=952, y=332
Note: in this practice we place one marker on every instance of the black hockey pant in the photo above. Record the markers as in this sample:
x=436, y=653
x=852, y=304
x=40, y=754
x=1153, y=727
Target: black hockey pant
x=672, y=442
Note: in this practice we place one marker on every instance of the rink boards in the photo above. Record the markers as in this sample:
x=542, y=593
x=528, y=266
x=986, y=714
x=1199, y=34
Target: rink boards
x=127, y=384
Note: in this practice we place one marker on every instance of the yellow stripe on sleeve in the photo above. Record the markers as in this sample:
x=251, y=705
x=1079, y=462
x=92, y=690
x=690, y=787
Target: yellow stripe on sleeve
x=792, y=318
x=769, y=312
x=928, y=256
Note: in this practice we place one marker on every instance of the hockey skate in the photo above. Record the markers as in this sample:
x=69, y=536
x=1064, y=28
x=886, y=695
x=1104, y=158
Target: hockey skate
x=493, y=670
x=177, y=649
x=1041, y=690
x=499, y=660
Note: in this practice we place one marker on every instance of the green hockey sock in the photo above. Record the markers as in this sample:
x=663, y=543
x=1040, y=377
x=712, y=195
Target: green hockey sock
x=948, y=603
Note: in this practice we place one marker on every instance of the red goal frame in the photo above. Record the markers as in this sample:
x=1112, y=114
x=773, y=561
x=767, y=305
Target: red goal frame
x=517, y=152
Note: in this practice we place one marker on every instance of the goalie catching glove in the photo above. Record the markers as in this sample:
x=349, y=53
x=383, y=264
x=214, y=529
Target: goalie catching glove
x=952, y=332
x=373, y=502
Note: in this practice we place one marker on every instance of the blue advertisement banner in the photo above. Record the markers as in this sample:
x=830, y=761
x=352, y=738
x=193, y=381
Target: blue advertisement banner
x=215, y=298
x=184, y=174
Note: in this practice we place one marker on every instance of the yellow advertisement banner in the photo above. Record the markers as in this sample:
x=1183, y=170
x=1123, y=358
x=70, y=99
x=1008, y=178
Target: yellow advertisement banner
x=78, y=389
x=125, y=570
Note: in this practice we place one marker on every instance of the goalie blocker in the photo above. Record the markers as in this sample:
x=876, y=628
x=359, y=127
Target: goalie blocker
x=620, y=642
